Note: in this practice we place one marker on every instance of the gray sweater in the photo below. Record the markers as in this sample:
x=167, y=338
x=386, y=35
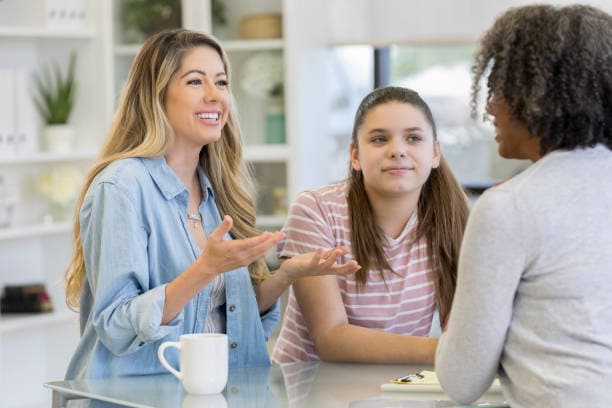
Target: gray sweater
x=534, y=294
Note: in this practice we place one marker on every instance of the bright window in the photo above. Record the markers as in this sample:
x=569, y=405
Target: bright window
x=351, y=78
x=442, y=76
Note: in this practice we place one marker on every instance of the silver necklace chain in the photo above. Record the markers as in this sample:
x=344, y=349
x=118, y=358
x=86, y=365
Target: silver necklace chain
x=196, y=218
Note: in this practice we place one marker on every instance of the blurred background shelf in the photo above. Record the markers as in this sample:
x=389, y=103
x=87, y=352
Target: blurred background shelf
x=46, y=157
x=267, y=152
x=253, y=45
x=45, y=33
x=33, y=231
x=17, y=322
x=270, y=221
x=130, y=50
x=126, y=50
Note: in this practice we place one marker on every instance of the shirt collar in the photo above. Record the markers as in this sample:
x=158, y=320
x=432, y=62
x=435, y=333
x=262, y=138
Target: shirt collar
x=168, y=182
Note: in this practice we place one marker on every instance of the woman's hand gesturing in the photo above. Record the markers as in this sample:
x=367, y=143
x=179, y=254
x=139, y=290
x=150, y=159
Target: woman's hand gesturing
x=220, y=255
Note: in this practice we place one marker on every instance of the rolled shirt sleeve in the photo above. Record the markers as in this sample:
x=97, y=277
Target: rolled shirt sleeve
x=128, y=306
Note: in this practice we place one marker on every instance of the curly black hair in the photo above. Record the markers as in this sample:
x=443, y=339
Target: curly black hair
x=553, y=67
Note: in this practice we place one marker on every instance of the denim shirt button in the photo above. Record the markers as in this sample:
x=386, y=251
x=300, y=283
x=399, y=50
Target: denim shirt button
x=234, y=345
x=232, y=308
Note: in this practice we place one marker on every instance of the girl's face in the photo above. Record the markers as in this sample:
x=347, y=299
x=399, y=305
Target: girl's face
x=513, y=139
x=197, y=99
x=395, y=150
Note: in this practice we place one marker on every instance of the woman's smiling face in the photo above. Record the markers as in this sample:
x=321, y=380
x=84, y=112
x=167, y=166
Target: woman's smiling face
x=197, y=99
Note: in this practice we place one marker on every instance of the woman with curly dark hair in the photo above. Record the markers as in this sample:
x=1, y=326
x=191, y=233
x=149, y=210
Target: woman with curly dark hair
x=533, y=301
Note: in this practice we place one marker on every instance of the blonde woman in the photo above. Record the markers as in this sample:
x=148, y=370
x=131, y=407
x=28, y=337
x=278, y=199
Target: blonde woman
x=165, y=242
x=401, y=214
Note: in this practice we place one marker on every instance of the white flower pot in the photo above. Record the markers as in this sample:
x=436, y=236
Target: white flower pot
x=58, y=138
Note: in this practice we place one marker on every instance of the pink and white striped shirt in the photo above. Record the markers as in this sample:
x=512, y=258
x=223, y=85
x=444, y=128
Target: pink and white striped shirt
x=405, y=304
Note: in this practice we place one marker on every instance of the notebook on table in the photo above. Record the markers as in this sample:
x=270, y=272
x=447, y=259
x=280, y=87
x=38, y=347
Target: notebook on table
x=425, y=381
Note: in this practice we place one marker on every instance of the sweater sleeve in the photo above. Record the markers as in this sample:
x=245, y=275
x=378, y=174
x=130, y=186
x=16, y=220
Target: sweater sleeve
x=490, y=267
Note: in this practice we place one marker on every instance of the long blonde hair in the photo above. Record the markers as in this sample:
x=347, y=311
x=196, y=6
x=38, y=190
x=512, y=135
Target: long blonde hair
x=140, y=128
x=442, y=210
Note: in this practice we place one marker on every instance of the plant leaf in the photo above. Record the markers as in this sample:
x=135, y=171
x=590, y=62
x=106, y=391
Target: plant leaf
x=55, y=99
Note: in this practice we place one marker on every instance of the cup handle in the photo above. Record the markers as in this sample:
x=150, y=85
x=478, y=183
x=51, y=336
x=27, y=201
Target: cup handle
x=162, y=359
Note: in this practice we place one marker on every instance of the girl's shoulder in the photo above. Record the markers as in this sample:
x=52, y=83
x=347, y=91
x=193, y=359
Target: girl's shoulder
x=331, y=194
x=328, y=202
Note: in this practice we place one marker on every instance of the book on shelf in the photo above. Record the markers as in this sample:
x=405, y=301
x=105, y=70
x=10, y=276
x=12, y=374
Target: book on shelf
x=28, y=298
x=18, y=118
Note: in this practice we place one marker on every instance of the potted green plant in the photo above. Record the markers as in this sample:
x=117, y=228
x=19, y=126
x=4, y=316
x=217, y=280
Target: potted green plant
x=141, y=18
x=55, y=101
x=219, y=18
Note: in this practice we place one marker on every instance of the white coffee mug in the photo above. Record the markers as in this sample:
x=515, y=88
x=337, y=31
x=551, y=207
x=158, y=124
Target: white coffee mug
x=204, y=401
x=203, y=362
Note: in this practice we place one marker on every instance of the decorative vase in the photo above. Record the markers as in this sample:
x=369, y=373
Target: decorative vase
x=58, y=138
x=58, y=212
x=275, y=121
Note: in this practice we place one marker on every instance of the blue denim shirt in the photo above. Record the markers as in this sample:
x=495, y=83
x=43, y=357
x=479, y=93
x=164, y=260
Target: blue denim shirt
x=135, y=241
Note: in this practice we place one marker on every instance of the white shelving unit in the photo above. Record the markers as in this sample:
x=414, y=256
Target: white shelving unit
x=45, y=34
x=48, y=157
x=27, y=321
x=267, y=153
x=254, y=45
x=271, y=162
x=270, y=221
x=130, y=50
x=37, y=347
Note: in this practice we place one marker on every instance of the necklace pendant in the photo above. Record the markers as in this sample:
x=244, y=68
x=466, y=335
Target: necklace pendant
x=196, y=218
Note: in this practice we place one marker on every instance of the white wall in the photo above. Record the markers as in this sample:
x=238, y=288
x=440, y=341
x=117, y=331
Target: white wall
x=381, y=22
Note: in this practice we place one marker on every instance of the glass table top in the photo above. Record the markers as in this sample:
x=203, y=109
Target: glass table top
x=288, y=385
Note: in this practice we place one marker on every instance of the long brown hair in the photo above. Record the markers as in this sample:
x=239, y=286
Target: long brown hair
x=140, y=128
x=442, y=210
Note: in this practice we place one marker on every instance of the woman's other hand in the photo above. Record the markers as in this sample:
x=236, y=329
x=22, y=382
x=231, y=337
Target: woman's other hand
x=319, y=263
